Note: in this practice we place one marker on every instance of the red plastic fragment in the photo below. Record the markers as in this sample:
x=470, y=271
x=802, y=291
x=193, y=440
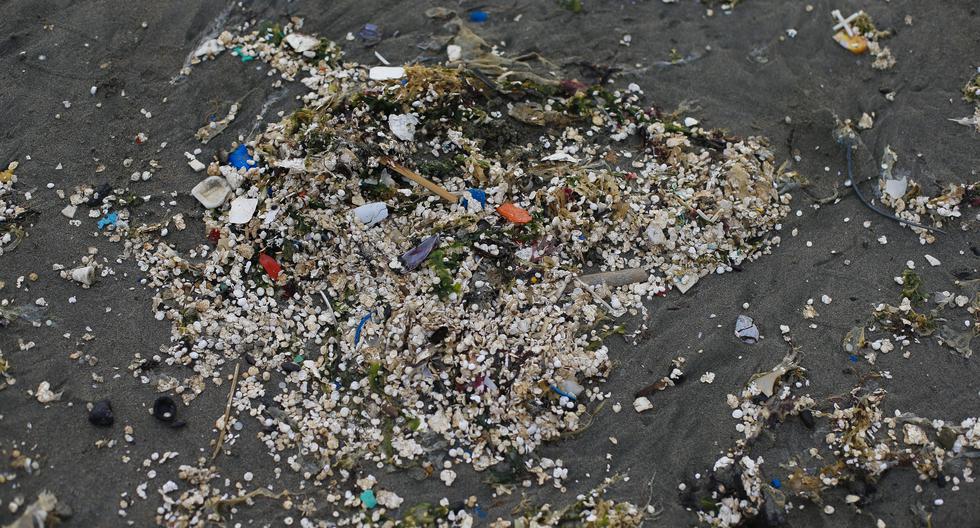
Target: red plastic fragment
x=271, y=266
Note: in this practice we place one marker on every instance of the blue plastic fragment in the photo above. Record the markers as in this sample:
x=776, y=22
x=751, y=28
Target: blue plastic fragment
x=562, y=393
x=360, y=326
x=368, y=499
x=479, y=16
x=477, y=194
x=417, y=255
x=480, y=512
x=109, y=219
x=853, y=358
x=240, y=159
x=776, y=483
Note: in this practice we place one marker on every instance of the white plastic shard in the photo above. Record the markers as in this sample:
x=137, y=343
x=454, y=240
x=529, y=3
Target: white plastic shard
x=209, y=47
x=560, y=156
x=685, y=282
x=298, y=164
x=371, y=213
x=242, y=210
x=84, y=275
x=301, y=43
x=386, y=73
x=403, y=126
x=454, y=52
x=211, y=192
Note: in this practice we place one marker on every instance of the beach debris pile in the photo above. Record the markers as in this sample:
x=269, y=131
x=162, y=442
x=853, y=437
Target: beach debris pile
x=382, y=321
x=46, y=511
x=733, y=491
x=857, y=33
x=924, y=214
x=913, y=318
x=904, y=200
x=861, y=445
x=862, y=442
x=590, y=510
x=11, y=212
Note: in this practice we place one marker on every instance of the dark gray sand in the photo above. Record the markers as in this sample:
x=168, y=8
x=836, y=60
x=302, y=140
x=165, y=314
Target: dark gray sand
x=791, y=98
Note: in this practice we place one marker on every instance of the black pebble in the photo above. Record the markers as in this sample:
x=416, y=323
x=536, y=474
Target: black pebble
x=290, y=367
x=149, y=364
x=100, y=194
x=101, y=414
x=165, y=409
x=439, y=335
x=806, y=415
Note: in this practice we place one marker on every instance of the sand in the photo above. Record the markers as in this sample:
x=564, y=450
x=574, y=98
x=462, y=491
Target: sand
x=791, y=98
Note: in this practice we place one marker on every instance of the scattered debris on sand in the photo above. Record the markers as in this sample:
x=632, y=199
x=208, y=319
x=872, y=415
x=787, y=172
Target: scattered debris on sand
x=405, y=255
x=862, y=443
x=971, y=93
x=857, y=33
x=12, y=214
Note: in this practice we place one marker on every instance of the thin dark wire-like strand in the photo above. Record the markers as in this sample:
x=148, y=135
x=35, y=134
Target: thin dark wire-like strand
x=857, y=191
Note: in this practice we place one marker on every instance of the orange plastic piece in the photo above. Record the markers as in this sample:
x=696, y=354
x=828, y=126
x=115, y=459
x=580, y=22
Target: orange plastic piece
x=514, y=214
x=856, y=44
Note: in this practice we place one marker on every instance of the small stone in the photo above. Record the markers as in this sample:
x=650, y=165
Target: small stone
x=866, y=122
x=165, y=409
x=101, y=414
x=806, y=416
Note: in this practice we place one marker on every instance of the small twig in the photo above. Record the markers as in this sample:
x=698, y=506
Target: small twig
x=421, y=180
x=218, y=503
x=224, y=421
